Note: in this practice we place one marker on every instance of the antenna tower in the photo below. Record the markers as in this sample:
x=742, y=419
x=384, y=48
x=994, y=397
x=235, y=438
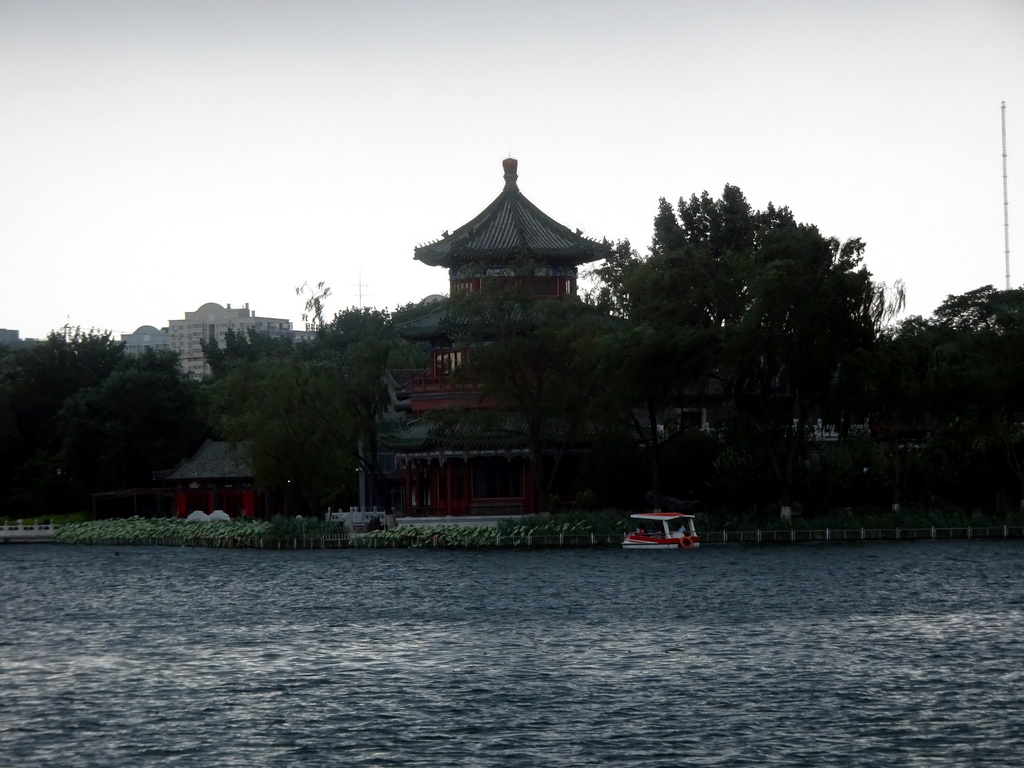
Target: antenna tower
x=1006, y=206
x=360, y=285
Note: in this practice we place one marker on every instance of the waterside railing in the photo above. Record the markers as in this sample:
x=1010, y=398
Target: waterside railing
x=794, y=535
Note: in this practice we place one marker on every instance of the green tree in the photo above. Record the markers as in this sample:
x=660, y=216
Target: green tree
x=242, y=347
x=810, y=307
x=892, y=384
x=612, y=277
x=759, y=306
x=142, y=417
x=653, y=384
x=288, y=414
x=536, y=362
x=981, y=376
x=359, y=345
x=309, y=414
x=35, y=382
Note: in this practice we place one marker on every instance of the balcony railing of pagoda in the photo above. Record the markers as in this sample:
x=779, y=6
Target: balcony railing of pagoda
x=426, y=384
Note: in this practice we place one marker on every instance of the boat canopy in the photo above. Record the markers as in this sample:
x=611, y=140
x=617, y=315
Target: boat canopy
x=659, y=515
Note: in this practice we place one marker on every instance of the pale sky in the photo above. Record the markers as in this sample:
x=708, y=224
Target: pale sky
x=155, y=155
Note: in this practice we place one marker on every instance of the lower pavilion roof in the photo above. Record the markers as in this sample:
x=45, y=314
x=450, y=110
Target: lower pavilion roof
x=214, y=460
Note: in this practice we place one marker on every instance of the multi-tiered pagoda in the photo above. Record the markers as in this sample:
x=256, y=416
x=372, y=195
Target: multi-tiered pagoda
x=510, y=242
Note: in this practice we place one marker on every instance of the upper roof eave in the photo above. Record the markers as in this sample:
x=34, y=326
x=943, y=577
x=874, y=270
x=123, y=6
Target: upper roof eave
x=511, y=226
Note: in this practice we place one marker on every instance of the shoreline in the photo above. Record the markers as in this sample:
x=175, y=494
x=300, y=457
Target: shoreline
x=455, y=537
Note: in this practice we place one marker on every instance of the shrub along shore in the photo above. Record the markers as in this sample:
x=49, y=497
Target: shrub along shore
x=282, y=533
x=574, y=530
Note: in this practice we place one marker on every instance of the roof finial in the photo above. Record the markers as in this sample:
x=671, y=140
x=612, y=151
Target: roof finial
x=511, y=165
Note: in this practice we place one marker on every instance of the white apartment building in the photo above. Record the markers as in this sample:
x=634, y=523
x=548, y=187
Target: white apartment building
x=211, y=320
x=145, y=337
x=214, y=321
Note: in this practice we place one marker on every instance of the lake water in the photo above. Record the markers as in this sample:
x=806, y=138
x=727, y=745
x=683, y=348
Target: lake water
x=884, y=654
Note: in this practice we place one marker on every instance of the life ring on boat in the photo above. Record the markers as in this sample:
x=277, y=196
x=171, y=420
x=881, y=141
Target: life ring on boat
x=686, y=543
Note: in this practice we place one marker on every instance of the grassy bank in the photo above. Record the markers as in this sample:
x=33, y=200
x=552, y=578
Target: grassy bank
x=137, y=530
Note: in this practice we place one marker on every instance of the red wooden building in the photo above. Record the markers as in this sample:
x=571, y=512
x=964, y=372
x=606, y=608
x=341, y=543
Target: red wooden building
x=217, y=476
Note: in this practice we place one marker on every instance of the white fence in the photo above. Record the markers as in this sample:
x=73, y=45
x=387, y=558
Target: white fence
x=26, y=533
x=358, y=519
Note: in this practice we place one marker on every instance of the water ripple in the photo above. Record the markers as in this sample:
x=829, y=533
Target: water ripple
x=877, y=655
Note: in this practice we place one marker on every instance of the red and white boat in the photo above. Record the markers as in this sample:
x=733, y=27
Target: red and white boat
x=665, y=530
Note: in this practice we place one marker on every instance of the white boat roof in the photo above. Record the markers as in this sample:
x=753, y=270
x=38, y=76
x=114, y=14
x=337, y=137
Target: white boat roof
x=659, y=515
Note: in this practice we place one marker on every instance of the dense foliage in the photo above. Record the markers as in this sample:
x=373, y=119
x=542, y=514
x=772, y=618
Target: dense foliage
x=78, y=416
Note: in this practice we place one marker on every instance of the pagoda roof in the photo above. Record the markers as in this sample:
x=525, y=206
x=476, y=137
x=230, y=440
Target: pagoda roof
x=463, y=434
x=511, y=227
x=458, y=430
x=425, y=327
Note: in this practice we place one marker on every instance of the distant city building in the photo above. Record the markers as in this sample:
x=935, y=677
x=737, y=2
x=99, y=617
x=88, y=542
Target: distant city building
x=211, y=320
x=145, y=337
x=11, y=338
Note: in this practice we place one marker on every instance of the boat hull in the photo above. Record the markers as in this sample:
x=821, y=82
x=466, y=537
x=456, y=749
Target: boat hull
x=637, y=542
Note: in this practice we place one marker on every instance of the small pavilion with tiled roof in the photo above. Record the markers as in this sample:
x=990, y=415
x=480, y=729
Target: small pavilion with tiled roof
x=217, y=476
